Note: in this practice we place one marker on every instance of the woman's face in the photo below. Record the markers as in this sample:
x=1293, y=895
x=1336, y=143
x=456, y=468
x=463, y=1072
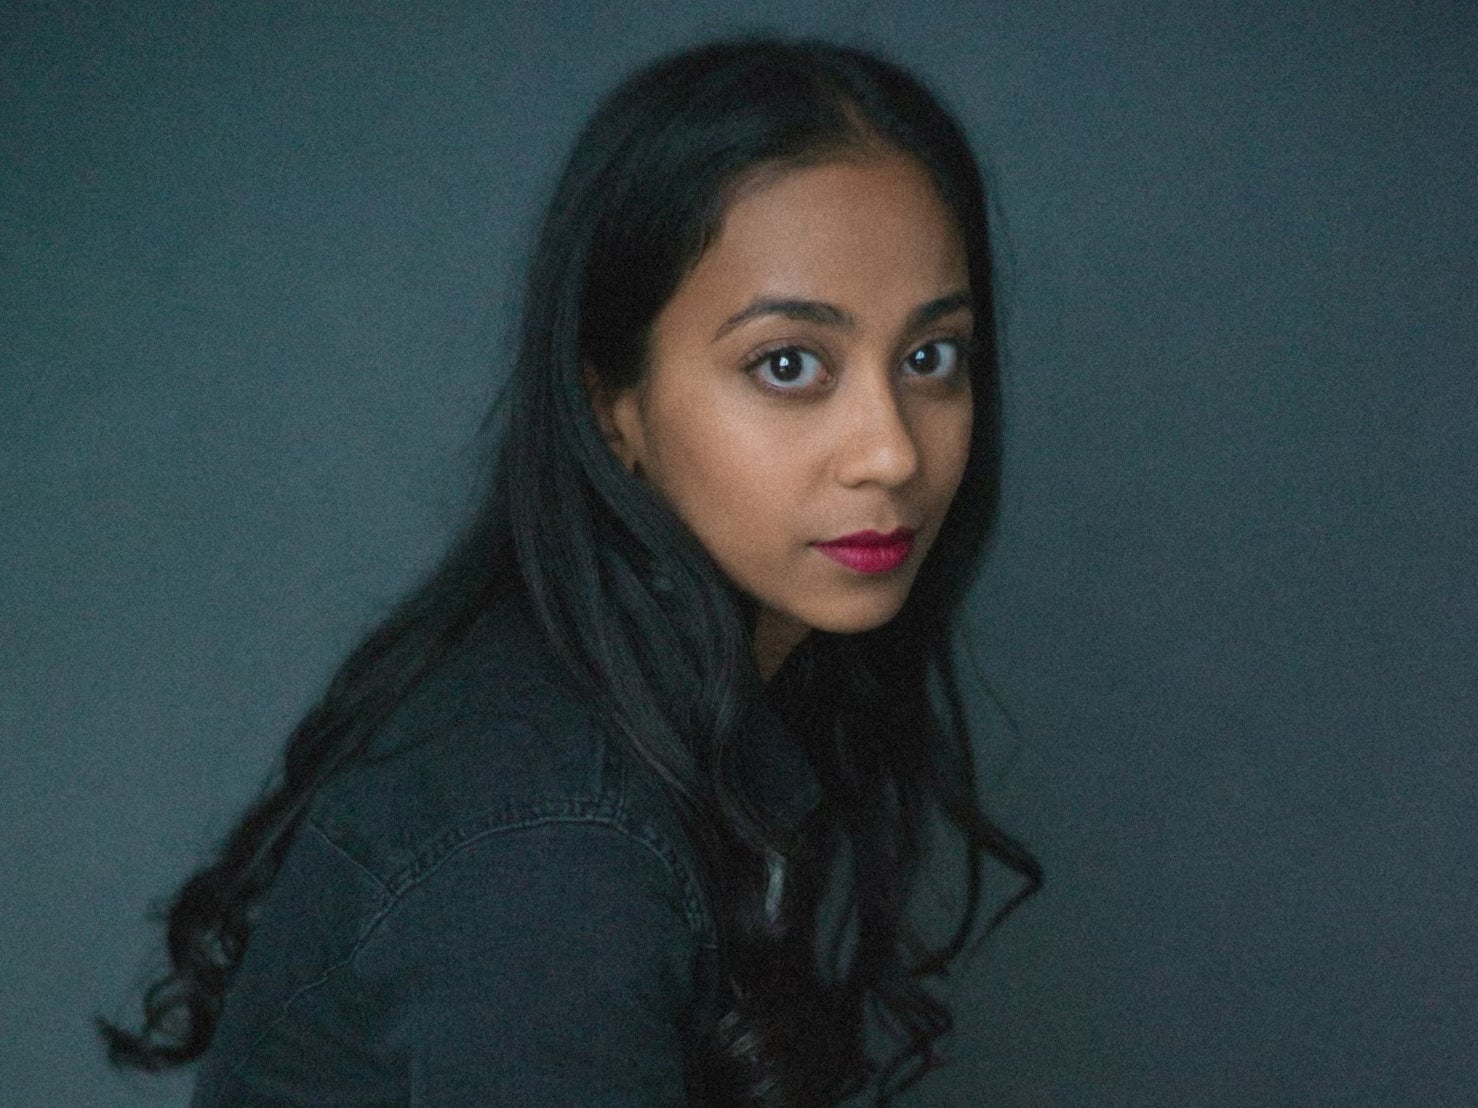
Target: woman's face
x=806, y=407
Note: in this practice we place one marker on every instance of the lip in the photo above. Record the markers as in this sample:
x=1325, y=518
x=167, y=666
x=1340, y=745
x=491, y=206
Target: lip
x=870, y=552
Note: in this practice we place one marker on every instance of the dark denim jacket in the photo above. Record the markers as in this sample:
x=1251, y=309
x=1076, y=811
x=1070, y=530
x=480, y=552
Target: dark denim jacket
x=497, y=906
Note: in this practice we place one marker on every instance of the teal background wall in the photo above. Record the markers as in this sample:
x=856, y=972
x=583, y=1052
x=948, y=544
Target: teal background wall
x=256, y=263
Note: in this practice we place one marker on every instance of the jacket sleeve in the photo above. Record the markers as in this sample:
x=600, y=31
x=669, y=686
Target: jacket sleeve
x=543, y=965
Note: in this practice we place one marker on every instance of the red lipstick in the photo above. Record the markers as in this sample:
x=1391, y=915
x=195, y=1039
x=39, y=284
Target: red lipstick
x=870, y=551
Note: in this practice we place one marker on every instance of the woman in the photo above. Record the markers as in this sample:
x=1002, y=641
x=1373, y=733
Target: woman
x=624, y=804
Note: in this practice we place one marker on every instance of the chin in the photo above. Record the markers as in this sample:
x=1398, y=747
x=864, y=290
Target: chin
x=855, y=618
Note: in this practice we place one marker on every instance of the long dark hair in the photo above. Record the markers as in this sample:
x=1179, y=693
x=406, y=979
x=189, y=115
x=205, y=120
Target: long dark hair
x=652, y=633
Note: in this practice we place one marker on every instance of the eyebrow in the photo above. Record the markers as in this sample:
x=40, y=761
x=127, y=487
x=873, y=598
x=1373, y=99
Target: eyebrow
x=829, y=315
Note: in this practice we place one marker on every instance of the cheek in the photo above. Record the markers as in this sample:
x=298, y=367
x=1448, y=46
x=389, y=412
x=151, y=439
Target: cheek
x=949, y=441
x=723, y=471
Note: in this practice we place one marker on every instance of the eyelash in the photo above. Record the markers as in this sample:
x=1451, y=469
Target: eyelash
x=962, y=350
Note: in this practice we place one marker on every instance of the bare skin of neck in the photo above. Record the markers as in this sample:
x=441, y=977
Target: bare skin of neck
x=775, y=636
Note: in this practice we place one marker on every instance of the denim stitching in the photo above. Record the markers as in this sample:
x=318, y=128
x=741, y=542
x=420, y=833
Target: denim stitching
x=571, y=811
x=333, y=845
x=398, y=886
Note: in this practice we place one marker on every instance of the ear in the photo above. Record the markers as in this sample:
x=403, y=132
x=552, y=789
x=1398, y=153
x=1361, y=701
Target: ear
x=618, y=414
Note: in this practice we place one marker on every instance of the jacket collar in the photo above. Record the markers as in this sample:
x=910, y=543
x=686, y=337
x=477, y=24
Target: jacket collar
x=776, y=773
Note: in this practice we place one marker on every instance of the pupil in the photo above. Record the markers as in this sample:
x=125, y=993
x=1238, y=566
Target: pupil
x=786, y=366
x=926, y=359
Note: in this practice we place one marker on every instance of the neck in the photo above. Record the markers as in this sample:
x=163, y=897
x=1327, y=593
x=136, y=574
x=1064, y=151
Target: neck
x=775, y=636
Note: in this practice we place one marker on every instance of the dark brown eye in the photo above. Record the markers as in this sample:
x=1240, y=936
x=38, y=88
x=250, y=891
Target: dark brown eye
x=934, y=359
x=790, y=368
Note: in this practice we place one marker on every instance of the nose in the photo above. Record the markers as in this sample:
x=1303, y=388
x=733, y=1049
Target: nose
x=877, y=441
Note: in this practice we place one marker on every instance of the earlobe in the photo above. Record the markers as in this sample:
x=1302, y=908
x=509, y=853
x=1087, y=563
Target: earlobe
x=617, y=416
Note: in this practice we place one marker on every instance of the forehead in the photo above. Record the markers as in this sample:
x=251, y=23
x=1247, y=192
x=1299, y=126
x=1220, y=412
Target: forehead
x=858, y=231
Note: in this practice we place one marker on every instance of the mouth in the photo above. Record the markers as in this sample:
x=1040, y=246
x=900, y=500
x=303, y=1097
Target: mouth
x=870, y=552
